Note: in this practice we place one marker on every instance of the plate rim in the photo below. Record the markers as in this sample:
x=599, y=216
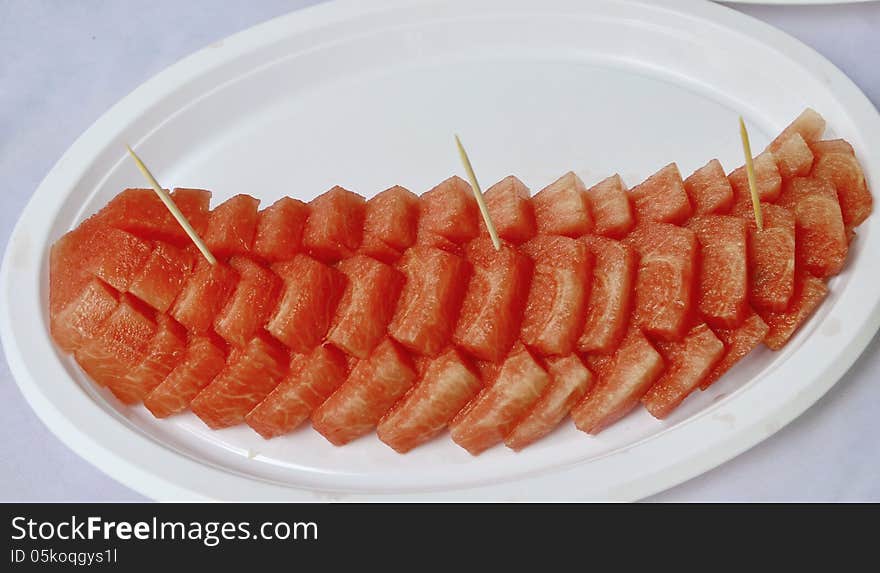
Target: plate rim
x=153, y=484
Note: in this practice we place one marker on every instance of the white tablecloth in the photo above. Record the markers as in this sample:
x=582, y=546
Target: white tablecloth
x=62, y=64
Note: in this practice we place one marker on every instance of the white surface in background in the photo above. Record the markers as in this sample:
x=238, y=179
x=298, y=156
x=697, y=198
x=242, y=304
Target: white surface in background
x=63, y=65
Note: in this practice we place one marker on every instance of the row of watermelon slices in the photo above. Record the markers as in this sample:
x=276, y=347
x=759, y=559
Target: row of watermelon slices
x=397, y=315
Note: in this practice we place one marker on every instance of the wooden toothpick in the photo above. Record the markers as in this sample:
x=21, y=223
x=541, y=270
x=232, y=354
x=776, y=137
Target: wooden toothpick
x=478, y=194
x=172, y=206
x=750, y=172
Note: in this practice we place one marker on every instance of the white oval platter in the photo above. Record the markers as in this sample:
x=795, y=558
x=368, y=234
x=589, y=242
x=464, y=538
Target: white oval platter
x=367, y=95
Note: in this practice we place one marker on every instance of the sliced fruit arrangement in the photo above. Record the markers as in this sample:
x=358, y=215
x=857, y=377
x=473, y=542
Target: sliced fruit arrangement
x=397, y=315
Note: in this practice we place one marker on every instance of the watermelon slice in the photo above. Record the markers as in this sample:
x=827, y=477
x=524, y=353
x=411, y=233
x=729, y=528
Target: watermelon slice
x=723, y=291
x=250, y=374
x=611, y=208
x=279, y=232
x=665, y=283
x=621, y=381
x=142, y=213
x=688, y=363
x=426, y=238
x=809, y=292
x=610, y=300
x=373, y=386
x=335, y=227
x=83, y=317
x=772, y=258
x=836, y=162
x=203, y=359
x=310, y=380
x=557, y=302
x=450, y=211
x=116, y=257
x=562, y=208
x=367, y=305
x=821, y=245
x=311, y=292
x=709, y=190
x=392, y=217
x=492, y=311
x=232, y=226
x=767, y=180
x=569, y=381
x=490, y=417
x=510, y=210
x=251, y=304
x=120, y=347
x=203, y=295
x=162, y=276
x=793, y=157
x=809, y=125
x=165, y=351
x=446, y=386
x=738, y=342
x=68, y=258
x=436, y=282
x=662, y=197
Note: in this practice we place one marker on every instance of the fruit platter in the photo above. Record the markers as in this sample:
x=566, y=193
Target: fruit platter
x=294, y=313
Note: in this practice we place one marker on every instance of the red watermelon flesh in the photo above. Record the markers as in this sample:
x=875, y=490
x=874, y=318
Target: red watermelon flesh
x=793, y=157
x=738, y=342
x=250, y=374
x=666, y=278
x=142, y=213
x=492, y=311
x=562, y=208
x=165, y=351
x=772, y=258
x=611, y=208
x=709, y=190
x=767, y=180
x=662, y=197
x=203, y=359
x=162, y=276
x=809, y=125
x=251, y=304
x=688, y=363
x=116, y=257
x=809, y=292
x=723, y=291
x=311, y=379
x=84, y=316
x=821, y=245
x=569, y=381
x=836, y=162
x=122, y=344
x=496, y=410
x=610, y=300
x=367, y=305
x=392, y=218
x=436, y=282
x=511, y=211
x=68, y=258
x=335, y=227
x=278, y=236
x=557, y=302
x=203, y=295
x=232, y=226
x=448, y=383
x=373, y=386
x=378, y=249
x=450, y=211
x=621, y=381
x=311, y=292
